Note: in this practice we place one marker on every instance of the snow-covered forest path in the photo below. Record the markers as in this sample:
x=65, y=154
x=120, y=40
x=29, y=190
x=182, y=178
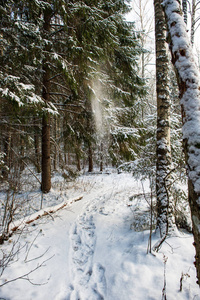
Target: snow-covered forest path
x=96, y=248
x=88, y=277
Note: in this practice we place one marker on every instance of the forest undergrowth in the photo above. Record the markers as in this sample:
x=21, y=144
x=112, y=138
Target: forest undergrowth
x=99, y=245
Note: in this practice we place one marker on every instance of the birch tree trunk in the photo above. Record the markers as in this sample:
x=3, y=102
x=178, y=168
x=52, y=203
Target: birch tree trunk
x=163, y=151
x=189, y=87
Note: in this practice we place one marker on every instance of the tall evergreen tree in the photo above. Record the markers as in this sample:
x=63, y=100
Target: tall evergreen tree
x=18, y=94
x=60, y=49
x=105, y=61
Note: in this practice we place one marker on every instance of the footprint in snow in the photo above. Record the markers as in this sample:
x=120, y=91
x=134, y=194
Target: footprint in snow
x=88, y=280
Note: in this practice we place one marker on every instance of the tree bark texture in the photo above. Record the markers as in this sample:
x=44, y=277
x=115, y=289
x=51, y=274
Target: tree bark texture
x=55, y=158
x=189, y=87
x=7, y=151
x=163, y=150
x=101, y=157
x=46, y=159
x=90, y=157
x=184, y=7
x=193, y=21
x=89, y=138
x=22, y=152
x=78, y=156
x=37, y=147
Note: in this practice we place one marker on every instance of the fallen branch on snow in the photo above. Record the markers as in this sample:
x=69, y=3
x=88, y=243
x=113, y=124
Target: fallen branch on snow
x=20, y=224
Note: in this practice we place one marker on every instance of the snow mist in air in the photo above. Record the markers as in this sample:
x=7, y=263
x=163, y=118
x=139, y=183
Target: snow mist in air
x=97, y=107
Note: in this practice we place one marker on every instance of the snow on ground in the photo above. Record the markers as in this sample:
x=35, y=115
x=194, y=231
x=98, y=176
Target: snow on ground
x=90, y=249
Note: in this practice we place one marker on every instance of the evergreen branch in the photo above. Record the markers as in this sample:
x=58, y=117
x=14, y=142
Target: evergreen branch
x=61, y=85
x=58, y=94
x=57, y=75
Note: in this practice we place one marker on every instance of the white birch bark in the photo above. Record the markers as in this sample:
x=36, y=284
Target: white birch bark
x=163, y=153
x=189, y=87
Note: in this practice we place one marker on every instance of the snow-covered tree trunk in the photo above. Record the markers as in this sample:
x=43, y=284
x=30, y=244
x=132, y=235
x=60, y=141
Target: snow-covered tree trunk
x=189, y=87
x=163, y=152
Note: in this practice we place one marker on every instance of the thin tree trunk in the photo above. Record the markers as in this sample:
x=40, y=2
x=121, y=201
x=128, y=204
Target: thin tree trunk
x=61, y=157
x=101, y=157
x=55, y=145
x=37, y=148
x=77, y=153
x=22, y=152
x=90, y=158
x=193, y=21
x=163, y=153
x=142, y=38
x=90, y=128
x=184, y=7
x=69, y=158
x=78, y=162
x=46, y=160
x=7, y=146
x=189, y=87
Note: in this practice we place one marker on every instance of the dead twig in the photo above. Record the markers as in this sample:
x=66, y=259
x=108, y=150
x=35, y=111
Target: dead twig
x=26, y=275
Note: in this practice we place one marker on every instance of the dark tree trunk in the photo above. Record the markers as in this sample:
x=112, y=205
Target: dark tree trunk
x=22, y=152
x=37, y=149
x=101, y=157
x=78, y=162
x=77, y=153
x=46, y=159
x=90, y=158
x=7, y=146
x=55, y=145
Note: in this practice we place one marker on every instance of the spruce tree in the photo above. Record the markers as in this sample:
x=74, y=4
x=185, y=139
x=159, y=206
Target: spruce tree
x=60, y=49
